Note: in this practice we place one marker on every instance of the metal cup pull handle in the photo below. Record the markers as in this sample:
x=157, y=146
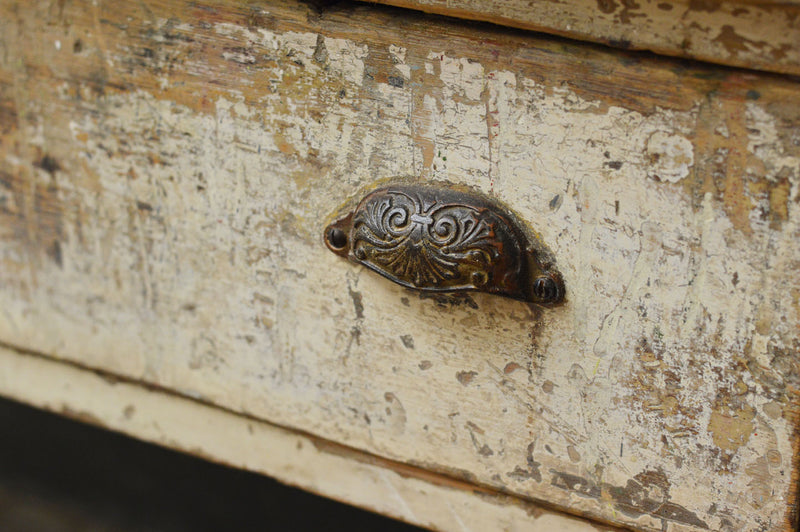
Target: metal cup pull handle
x=446, y=239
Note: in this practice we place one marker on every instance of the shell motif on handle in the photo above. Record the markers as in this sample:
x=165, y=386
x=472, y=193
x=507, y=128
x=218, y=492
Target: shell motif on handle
x=442, y=239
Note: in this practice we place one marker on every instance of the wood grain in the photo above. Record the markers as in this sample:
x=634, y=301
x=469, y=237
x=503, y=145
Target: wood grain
x=744, y=33
x=167, y=169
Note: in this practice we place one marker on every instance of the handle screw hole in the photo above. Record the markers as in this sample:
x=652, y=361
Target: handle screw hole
x=546, y=289
x=337, y=238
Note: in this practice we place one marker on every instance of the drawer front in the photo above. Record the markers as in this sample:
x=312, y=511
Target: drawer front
x=168, y=169
x=745, y=33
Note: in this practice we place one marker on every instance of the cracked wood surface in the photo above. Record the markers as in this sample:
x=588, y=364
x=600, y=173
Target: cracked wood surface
x=744, y=33
x=167, y=168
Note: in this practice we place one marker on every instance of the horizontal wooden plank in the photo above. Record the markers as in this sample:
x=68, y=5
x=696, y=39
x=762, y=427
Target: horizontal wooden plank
x=301, y=460
x=167, y=169
x=744, y=33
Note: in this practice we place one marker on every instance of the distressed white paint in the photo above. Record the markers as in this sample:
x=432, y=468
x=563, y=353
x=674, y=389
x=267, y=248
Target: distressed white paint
x=745, y=33
x=672, y=156
x=263, y=448
x=224, y=291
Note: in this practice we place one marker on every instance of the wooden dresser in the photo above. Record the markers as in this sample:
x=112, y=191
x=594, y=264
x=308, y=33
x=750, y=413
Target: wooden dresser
x=168, y=169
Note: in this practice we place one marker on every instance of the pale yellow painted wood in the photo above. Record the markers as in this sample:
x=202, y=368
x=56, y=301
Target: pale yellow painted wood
x=414, y=496
x=167, y=168
x=745, y=33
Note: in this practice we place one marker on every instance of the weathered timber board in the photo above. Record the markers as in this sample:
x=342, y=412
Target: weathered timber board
x=745, y=33
x=316, y=465
x=168, y=167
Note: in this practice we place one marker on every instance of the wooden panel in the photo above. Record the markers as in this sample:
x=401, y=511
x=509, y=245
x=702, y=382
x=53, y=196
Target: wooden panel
x=745, y=33
x=301, y=460
x=168, y=167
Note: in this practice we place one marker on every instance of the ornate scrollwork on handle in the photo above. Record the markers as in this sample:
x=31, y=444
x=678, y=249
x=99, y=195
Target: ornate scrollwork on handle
x=439, y=239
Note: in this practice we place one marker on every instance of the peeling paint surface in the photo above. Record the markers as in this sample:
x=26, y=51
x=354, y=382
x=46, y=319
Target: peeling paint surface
x=164, y=186
x=745, y=33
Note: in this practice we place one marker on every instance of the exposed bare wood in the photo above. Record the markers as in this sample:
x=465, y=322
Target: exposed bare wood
x=167, y=169
x=744, y=33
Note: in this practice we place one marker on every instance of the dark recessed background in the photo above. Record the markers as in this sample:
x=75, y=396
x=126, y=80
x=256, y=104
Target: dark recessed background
x=60, y=475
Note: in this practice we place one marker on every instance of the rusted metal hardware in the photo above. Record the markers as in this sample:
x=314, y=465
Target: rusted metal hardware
x=442, y=239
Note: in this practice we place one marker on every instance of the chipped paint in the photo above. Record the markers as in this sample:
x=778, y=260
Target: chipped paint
x=671, y=156
x=740, y=33
x=301, y=460
x=165, y=227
